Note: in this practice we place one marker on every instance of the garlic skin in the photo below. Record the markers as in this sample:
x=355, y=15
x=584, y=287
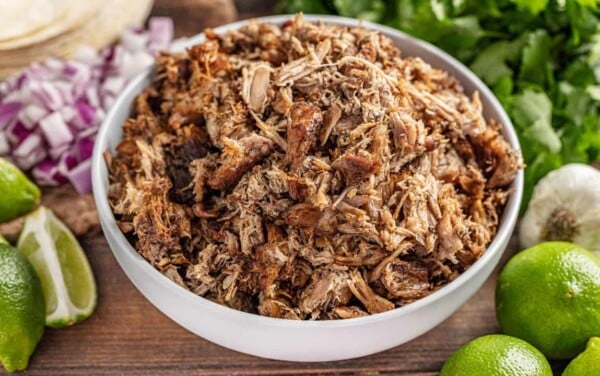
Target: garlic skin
x=565, y=205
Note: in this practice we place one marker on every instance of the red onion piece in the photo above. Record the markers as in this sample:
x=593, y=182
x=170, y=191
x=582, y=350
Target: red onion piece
x=85, y=148
x=86, y=112
x=80, y=176
x=31, y=115
x=8, y=112
x=30, y=160
x=17, y=132
x=69, y=114
x=56, y=153
x=135, y=63
x=55, y=131
x=44, y=172
x=134, y=40
x=113, y=86
x=47, y=94
x=28, y=146
x=161, y=32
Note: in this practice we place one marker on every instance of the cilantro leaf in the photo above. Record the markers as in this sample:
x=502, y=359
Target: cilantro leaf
x=536, y=53
x=532, y=113
x=366, y=10
x=492, y=63
x=534, y=6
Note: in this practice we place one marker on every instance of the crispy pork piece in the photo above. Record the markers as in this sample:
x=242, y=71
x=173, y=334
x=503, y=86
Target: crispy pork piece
x=237, y=158
x=356, y=168
x=304, y=122
x=308, y=172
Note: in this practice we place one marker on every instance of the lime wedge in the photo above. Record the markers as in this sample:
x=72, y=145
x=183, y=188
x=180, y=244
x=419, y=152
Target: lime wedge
x=61, y=264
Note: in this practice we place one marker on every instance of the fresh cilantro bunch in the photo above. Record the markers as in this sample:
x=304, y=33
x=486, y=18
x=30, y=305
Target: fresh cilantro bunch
x=540, y=57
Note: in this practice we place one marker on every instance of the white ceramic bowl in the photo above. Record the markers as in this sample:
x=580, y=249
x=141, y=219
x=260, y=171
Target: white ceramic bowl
x=303, y=340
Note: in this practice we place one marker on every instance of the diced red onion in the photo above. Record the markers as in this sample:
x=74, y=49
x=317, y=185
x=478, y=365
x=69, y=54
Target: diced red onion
x=79, y=75
x=92, y=97
x=16, y=133
x=115, y=57
x=47, y=94
x=86, y=112
x=50, y=113
x=89, y=132
x=28, y=161
x=60, y=178
x=8, y=112
x=55, y=130
x=28, y=146
x=80, y=176
x=11, y=84
x=69, y=114
x=31, y=115
x=113, y=86
x=15, y=96
x=45, y=172
x=65, y=88
x=57, y=152
x=86, y=148
x=161, y=32
x=133, y=40
x=66, y=163
x=135, y=63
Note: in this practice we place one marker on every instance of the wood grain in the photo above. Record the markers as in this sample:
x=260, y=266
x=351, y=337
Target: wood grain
x=128, y=336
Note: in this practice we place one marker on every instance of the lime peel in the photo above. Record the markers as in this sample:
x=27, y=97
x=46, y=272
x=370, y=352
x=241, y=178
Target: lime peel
x=22, y=309
x=496, y=355
x=586, y=363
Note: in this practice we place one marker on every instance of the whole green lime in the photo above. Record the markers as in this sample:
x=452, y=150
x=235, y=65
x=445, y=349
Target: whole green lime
x=588, y=362
x=22, y=310
x=18, y=195
x=549, y=295
x=496, y=355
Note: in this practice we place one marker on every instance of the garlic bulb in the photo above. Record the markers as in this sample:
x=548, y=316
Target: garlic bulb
x=565, y=205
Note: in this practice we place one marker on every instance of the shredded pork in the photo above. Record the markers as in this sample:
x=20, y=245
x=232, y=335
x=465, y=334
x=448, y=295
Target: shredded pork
x=308, y=171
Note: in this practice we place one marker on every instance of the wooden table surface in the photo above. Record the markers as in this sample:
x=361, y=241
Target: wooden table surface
x=128, y=336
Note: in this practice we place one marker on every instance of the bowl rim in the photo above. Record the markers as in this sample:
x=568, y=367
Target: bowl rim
x=108, y=222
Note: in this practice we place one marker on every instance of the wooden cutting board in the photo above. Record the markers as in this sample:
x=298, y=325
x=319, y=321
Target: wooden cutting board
x=128, y=336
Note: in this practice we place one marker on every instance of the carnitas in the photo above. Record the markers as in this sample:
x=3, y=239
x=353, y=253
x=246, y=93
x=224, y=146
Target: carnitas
x=308, y=171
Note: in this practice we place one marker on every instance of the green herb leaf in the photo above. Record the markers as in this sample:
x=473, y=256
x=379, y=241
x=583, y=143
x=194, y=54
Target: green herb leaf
x=532, y=113
x=536, y=54
x=534, y=6
x=492, y=62
x=366, y=10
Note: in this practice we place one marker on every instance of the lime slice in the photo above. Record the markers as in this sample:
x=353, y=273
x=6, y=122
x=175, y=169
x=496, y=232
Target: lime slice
x=61, y=264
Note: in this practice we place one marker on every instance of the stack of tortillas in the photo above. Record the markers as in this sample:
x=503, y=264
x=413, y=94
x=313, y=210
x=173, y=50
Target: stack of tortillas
x=31, y=30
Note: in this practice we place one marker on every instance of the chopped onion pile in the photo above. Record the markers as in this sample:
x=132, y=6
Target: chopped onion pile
x=50, y=113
